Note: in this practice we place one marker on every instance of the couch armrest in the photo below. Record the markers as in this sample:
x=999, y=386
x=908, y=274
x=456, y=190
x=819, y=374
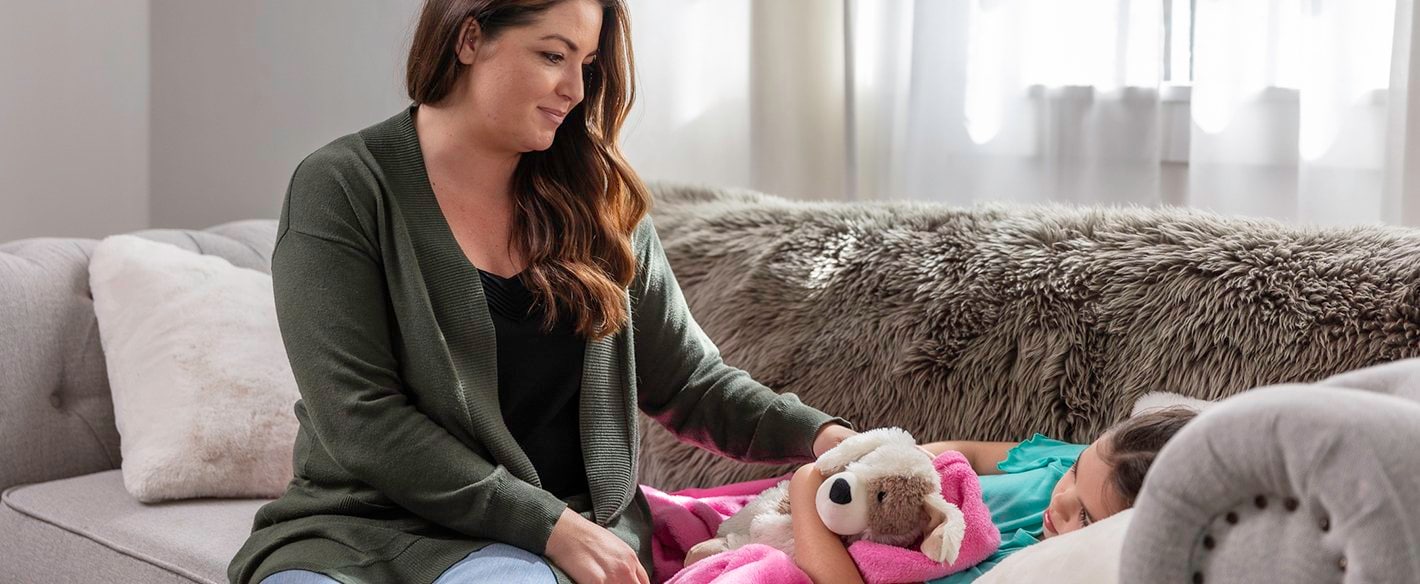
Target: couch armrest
x=1290, y=483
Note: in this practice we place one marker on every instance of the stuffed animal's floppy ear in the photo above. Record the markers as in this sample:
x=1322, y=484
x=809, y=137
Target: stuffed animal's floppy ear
x=946, y=529
x=854, y=447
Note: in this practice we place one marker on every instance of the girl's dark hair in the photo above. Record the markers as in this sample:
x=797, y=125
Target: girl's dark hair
x=1132, y=445
x=578, y=201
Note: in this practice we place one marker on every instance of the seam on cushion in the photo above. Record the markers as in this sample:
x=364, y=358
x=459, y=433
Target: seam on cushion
x=243, y=242
x=88, y=253
x=195, y=243
x=9, y=502
x=90, y=331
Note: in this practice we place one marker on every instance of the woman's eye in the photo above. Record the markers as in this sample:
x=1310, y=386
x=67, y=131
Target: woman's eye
x=553, y=58
x=1084, y=517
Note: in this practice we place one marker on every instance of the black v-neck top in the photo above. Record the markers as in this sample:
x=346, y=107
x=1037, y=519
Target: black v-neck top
x=539, y=383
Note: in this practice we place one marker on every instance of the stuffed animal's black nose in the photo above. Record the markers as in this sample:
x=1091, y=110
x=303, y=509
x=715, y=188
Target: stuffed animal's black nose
x=840, y=492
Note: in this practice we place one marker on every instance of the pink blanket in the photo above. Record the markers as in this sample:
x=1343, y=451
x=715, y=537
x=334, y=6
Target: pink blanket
x=687, y=517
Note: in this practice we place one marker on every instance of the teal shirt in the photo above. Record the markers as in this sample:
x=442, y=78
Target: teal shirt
x=1018, y=499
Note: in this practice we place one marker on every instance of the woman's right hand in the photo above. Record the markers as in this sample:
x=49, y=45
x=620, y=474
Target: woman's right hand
x=590, y=554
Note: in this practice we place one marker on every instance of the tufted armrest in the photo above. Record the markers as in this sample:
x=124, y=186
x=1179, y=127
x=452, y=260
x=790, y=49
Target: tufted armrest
x=1290, y=483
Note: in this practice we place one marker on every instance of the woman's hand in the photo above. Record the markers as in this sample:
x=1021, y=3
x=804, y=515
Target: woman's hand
x=818, y=551
x=590, y=554
x=829, y=436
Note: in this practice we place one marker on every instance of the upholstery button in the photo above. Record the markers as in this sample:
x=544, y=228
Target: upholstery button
x=1198, y=578
x=55, y=400
x=1325, y=524
x=1290, y=503
x=1208, y=542
x=1260, y=501
x=1231, y=517
x=1341, y=563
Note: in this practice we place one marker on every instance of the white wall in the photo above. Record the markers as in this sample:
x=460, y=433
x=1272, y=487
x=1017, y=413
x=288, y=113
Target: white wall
x=73, y=117
x=119, y=115
x=242, y=91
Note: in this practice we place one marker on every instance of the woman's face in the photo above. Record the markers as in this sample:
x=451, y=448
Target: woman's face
x=521, y=83
x=1084, y=495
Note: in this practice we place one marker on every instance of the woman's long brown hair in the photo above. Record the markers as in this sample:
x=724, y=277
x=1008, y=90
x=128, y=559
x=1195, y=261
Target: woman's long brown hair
x=578, y=201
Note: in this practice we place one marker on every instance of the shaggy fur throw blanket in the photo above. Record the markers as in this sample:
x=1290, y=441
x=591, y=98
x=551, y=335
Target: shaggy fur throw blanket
x=996, y=321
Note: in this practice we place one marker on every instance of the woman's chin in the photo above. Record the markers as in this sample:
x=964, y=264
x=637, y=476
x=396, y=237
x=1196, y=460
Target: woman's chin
x=542, y=142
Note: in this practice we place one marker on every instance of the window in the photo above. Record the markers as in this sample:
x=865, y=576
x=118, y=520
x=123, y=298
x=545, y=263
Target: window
x=1178, y=41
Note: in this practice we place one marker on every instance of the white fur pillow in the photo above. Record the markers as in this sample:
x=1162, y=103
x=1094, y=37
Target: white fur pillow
x=202, y=389
x=1084, y=556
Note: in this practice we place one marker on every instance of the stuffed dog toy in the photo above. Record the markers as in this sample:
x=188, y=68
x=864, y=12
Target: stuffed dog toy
x=880, y=487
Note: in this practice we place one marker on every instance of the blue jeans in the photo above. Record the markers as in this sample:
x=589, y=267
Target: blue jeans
x=496, y=562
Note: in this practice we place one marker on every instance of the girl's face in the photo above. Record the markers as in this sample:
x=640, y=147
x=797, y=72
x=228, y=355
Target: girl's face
x=1084, y=495
x=523, y=82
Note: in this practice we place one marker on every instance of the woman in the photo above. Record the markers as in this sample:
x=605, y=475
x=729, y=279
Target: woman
x=475, y=305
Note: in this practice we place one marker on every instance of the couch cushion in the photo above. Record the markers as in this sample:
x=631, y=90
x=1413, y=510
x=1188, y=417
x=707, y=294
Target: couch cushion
x=192, y=538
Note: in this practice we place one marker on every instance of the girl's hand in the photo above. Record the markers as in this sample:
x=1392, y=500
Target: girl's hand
x=818, y=551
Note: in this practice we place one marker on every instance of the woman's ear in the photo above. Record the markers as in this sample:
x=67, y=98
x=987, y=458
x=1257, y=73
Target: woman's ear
x=946, y=528
x=469, y=36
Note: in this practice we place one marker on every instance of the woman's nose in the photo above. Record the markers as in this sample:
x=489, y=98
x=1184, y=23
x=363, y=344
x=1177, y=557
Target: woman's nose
x=572, y=87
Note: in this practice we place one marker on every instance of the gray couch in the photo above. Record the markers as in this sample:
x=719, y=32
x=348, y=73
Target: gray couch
x=983, y=323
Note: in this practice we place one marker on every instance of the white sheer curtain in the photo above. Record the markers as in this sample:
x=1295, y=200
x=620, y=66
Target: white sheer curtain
x=741, y=93
x=1295, y=109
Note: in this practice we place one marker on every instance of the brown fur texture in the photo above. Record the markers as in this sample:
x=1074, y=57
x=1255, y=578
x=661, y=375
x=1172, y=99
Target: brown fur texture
x=997, y=321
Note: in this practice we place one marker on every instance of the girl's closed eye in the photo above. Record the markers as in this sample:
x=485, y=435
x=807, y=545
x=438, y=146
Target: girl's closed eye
x=1085, y=519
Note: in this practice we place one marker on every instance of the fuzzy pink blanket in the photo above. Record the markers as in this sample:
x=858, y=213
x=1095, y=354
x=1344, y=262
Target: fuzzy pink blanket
x=687, y=517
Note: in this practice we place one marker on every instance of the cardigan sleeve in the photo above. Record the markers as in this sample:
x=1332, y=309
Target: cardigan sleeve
x=683, y=383
x=332, y=306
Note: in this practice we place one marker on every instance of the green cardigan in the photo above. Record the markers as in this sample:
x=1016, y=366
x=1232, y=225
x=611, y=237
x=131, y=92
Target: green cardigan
x=403, y=464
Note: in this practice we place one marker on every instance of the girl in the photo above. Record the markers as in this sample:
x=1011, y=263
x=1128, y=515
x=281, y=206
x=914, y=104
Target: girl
x=1035, y=489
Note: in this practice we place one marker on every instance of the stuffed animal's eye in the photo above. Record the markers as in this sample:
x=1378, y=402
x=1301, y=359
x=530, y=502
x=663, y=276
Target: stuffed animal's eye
x=881, y=495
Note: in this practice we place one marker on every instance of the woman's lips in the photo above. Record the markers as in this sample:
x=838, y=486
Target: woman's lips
x=1049, y=523
x=552, y=115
